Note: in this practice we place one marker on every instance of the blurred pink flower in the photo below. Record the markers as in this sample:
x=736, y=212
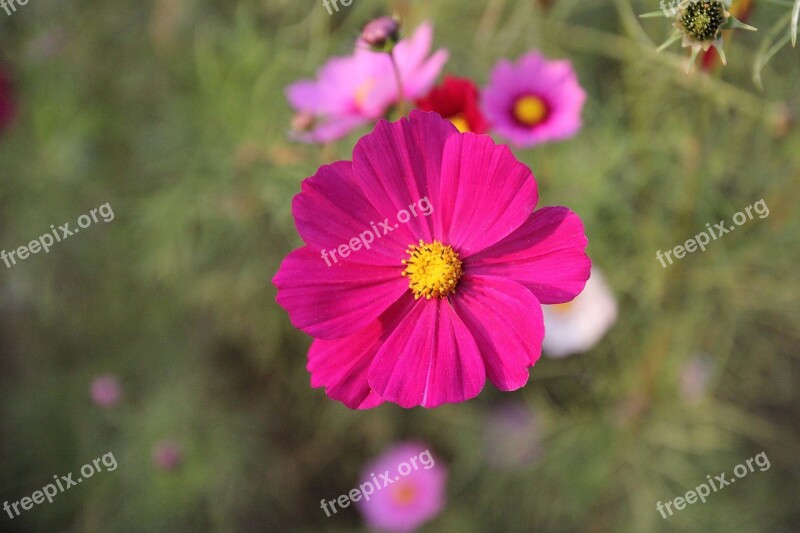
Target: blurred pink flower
x=695, y=377
x=513, y=436
x=106, y=390
x=440, y=303
x=350, y=92
x=409, y=500
x=8, y=105
x=534, y=100
x=167, y=455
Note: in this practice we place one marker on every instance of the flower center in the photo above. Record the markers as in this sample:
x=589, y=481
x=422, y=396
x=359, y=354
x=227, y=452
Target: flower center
x=363, y=92
x=404, y=494
x=530, y=110
x=433, y=269
x=460, y=123
x=563, y=309
x=703, y=19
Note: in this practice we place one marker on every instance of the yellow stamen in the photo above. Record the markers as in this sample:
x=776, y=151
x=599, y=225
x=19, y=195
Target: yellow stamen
x=563, y=309
x=433, y=269
x=460, y=123
x=530, y=110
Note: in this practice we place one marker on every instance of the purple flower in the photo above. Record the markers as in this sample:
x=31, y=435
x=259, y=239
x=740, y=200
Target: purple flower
x=357, y=90
x=106, y=390
x=167, y=455
x=513, y=436
x=694, y=378
x=415, y=495
x=534, y=100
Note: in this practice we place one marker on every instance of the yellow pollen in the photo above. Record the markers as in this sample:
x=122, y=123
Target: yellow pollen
x=563, y=309
x=404, y=494
x=433, y=269
x=530, y=110
x=460, y=123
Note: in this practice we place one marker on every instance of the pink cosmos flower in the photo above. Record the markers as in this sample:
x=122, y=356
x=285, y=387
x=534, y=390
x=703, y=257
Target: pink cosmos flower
x=167, y=455
x=512, y=436
x=415, y=495
x=422, y=311
x=534, y=100
x=8, y=106
x=353, y=91
x=106, y=390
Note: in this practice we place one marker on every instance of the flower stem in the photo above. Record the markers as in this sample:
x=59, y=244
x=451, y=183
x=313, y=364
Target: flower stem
x=401, y=96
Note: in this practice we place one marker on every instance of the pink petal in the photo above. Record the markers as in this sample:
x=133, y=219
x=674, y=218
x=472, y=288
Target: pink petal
x=342, y=365
x=429, y=359
x=331, y=211
x=485, y=193
x=547, y=255
x=330, y=129
x=399, y=163
x=506, y=321
x=418, y=83
x=331, y=302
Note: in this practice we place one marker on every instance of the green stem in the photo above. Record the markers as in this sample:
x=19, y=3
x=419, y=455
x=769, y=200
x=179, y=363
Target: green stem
x=401, y=93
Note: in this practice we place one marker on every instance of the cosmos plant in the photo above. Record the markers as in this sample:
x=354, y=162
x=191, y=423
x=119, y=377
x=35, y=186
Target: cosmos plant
x=699, y=25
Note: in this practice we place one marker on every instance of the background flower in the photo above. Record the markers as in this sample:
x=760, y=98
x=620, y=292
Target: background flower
x=8, y=106
x=106, y=390
x=411, y=500
x=457, y=100
x=577, y=326
x=534, y=100
x=167, y=455
x=512, y=436
x=350, y=92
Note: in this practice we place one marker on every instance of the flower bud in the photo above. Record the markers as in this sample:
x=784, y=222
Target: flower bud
x=382, y=34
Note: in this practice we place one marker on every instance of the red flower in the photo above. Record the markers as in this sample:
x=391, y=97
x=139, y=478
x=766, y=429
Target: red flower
x=456, y=99
x=8, y=106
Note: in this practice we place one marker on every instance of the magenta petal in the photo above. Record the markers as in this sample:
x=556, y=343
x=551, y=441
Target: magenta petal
x=485, y=193
x=331, y=302
x=342, y=365
x=399, y=163
x=546, y=254
x=331, y=211
x=506, y=321
x=429, y=359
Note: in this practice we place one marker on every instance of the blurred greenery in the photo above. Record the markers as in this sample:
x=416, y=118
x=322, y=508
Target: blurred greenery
x=173, y=112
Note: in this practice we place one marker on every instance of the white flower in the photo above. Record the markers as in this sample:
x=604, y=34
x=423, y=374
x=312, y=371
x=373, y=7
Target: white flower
x=577, y=326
